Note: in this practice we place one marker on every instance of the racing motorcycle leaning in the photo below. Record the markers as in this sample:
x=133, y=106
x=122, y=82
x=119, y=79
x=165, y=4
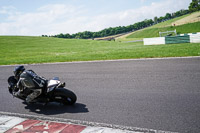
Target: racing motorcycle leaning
x=52, y=91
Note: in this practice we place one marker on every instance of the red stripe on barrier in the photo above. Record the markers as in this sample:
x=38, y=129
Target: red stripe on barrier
x=73, y=129
x=33, y=126
x=48, y=127
x=22, y=126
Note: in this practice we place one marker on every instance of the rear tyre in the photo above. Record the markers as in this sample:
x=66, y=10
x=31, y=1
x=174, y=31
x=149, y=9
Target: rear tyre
x=64, y=96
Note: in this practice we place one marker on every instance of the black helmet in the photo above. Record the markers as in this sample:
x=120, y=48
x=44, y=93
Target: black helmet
x=18, y=70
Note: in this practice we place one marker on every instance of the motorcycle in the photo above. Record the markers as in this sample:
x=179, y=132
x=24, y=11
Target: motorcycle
x=53, y=91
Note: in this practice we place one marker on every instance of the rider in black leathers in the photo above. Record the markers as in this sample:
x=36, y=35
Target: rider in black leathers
x=28, y=79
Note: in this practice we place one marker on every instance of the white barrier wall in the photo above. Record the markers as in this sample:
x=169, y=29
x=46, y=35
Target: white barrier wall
x=195, y=38
x=154, y=41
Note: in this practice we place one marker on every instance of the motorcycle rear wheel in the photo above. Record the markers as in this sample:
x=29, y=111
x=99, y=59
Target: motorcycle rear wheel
x=64, y=96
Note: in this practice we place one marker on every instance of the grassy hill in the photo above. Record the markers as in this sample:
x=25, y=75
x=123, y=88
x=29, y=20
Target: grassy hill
x=189, y=23
x=154, y=32
x=28, y=50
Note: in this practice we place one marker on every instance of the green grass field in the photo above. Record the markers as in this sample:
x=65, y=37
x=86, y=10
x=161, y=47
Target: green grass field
x=27, y=50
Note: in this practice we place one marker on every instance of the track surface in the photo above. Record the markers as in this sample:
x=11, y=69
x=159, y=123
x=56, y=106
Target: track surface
x=161, y=94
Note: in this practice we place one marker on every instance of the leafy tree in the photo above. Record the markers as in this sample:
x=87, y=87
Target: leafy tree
x=183, y=12
x=149, y=22
x=155, y=20
x=178, y=14
x=67, y=35
x=168, y=16
x=61, y=35
x=194, y=6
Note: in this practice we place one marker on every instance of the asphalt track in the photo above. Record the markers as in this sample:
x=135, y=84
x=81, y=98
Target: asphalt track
x=161, y=94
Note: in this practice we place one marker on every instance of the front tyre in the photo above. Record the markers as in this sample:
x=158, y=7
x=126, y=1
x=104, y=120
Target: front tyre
x=64, y=96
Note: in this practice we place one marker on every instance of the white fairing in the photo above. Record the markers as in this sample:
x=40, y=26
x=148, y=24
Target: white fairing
x=52, y=83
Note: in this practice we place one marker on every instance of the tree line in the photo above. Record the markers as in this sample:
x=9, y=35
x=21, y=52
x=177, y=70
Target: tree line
x=194, y=6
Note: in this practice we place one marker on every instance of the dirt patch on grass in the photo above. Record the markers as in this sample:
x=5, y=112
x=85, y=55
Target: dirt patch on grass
x=194, y=17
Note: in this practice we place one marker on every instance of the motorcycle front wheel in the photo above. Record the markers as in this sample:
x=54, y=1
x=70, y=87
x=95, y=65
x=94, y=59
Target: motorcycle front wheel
x=64, y=96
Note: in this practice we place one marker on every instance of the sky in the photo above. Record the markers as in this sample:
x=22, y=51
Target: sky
x=51, y=17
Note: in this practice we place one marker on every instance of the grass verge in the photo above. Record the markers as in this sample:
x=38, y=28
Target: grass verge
x=28, y=50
